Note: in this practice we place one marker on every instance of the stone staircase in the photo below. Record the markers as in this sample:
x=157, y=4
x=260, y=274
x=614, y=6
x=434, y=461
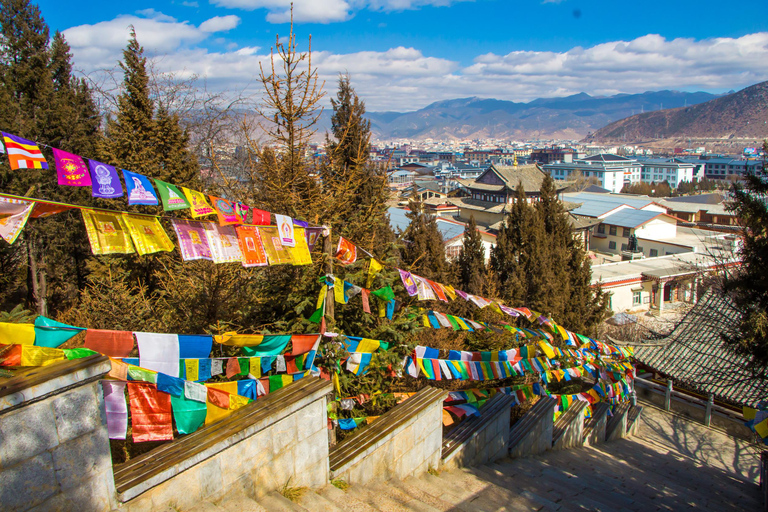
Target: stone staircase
x=672, y=465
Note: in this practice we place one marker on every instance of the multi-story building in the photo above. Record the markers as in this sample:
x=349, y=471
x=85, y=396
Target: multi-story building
x=611, y=171
x=671, y=170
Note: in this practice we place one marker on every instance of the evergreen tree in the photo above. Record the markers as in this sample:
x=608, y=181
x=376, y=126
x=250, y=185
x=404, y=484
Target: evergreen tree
x=423, y=252
x=471, y=262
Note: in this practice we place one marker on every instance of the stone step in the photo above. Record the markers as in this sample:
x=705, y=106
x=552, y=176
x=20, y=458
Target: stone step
x=241, y=503
x=276, y=502
x=489, y=493
x=205, y=506
x=433, y=486
x=378, y=497
x=344, y=499
x=463, y=499
x=311, y=500
x=393, y=491
x=407, y=486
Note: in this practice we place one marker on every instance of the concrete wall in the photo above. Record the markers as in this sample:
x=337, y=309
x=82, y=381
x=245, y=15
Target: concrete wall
x=597, y=434
x=573, y=436
x=411, y=449
x=619, y=422
x=54, y=447
x=487, y=444
x=539, y=439
x=287, y=447
x=661, y=228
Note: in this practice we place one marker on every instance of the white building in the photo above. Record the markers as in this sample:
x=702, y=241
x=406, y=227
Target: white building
x=671, y=170
x=611, y=171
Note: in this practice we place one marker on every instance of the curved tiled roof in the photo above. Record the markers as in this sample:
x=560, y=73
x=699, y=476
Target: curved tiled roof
x=697, y=357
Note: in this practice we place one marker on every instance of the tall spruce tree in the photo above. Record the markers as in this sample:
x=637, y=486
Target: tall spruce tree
x=42, y=101
x=423, y=250
x=471, y=262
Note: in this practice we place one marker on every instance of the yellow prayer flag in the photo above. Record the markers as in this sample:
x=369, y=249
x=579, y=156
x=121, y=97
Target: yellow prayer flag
x=277, y=253
x=107, y=233
x=215, y=413
x=255, y=367
x=367, y=345
x=300, y=251
x=40, y=356
x=449, y=291
x=238, y=340
x=147, y=234
x=547, y=349
x=17, y=334
x=424, y=320
x=321, y=297
x=749, y=413
x=193, y=368
x=229, y=387
x=336, y=382
x=237, y=401
x=447, y=419
x=462, y=324
x=338, y=291
x=762, y=428
x=373, y=268
x=494, y=306
x=382, y=308
x=199, y=206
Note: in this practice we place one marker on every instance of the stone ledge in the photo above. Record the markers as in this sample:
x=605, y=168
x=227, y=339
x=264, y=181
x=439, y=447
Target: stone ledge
x=36, y=383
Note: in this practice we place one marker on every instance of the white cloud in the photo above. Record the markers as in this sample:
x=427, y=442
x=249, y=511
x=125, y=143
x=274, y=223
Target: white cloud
x=220, y=23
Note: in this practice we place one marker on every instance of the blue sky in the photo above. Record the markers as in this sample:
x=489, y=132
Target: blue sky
x=404, y=54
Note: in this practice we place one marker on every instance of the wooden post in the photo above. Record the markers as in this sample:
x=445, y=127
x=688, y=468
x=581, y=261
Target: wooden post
x=328, y=251
x=668, y=396
x=708, y=413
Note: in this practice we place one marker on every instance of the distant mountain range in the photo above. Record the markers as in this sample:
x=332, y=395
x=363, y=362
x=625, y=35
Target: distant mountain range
x=740, y=115
x=571, y=117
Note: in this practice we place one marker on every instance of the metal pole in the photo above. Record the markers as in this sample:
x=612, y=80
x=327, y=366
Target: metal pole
x=708, y=413
x=668, y=396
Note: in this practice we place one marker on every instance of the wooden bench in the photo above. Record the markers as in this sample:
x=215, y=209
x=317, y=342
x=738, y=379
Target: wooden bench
x=617, y=425
x=533, y=432
x=164, y=462
x=594, y=427
x=479, y=430
x=633, y=420
x=568, y=431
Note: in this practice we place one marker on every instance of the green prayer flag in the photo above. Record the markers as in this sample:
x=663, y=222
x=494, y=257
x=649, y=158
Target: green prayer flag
x=384, y=345
x=189, y=415
x=316, y=316
x=272, y=345
x=77, y=353
x=245, y=365
x=453, y=322
x=141, y=374
x=275, y=382
x=50, y=333
x=386, y=294
x=172, y=197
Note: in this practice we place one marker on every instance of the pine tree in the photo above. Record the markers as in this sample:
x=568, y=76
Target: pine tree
x=471, y=262
x=423, y=252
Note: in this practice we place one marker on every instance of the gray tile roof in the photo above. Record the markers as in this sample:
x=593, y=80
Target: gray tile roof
x=696, y=357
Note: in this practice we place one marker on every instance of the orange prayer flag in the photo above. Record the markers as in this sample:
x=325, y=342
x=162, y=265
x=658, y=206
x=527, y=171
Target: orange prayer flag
x=218, y=397
x=346, y=252
x=302, y=343
x=151, y=415
x=109, y=343
x=233, y=367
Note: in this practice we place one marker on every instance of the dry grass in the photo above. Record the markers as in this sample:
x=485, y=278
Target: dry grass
x=292, y=493
x=340, y=484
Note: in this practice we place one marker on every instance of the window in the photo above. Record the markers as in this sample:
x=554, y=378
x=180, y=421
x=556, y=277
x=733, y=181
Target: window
x=612, y=230
x=637, y=298
x=624, y=247
x=625, y=233
x=654, y=253
x=612, y=245
x=601, y=229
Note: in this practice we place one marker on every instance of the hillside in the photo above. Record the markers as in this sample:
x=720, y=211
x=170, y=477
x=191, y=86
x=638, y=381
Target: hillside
x=570, y=117
x=741, y=116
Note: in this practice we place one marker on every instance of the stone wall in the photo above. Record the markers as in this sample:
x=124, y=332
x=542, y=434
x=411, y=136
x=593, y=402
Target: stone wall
x=412, y=448
x=54, y=447
x=487, y=444
x=572, y=433
x=285, y=446
x=539, y=436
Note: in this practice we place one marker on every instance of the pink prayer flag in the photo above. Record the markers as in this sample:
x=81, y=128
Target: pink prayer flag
x=71, y=169
x=193, y=240
x=116, y=408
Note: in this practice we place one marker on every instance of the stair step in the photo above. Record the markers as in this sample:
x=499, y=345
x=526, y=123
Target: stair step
x=383, y=501
x=311, y=500
x=395, y=493
x=276, y=502
x=423, y=496
x=344, y=500
x=487, y=492
x=205, y=506
x=241, y=503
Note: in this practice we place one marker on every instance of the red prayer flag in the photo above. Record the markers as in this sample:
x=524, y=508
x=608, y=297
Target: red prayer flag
x=233, y=367
x=366, y=304
x=109, y=343
x=218, y=397
x=346, y=252
x=151, y=415
x=290, y=364
x=260, y=217
x=302, y=343
x=10, y=355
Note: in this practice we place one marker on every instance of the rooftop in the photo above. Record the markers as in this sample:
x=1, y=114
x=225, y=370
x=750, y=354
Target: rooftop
x=631, y=218
x=633, y=200
x=448, y=228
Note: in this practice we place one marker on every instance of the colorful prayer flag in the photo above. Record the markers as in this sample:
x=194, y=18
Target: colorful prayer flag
x=71, y=169
x=408, y=282
x=106, y=182
x=50, y=333
x=147, y=234
x=188, y=414
x=312, y=235
x=224, y=243
x=116, y=408
x=159, y=352
x=260, y=217
x=139, y=189
x=225, y=211
x=23, y=153
x=107, y=232
x=151, y=416
x=14, y=214
x=346, y=251
x=251, y=246
x=300, y=251
x=374, y=267
x=277, y=253
x=285, y=228
x=198, y=206
x=172, y=197
x=193, y=241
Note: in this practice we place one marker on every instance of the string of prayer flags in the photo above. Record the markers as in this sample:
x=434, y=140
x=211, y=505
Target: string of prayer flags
x=107, y=233
x=139, y=189
x=23, y=153
x=424, y=291
x=272, y=345
x=71, y=169
x=116, y=408
x=40, y=356
x=105, y=181
x=14, y=214
x=195, y=346
x=198, y=206
x=193, y=241
x=300, y=251
x=50, y=333
x=151, y=416
x=286, y=230
x=251, y=246
x=171, y=196
x=225, y=211
x=159, y=352
x=109, y=343
x=241, y=211
x=224, y=244
x=147, y=234
x=346, y=252
x=277, y=253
